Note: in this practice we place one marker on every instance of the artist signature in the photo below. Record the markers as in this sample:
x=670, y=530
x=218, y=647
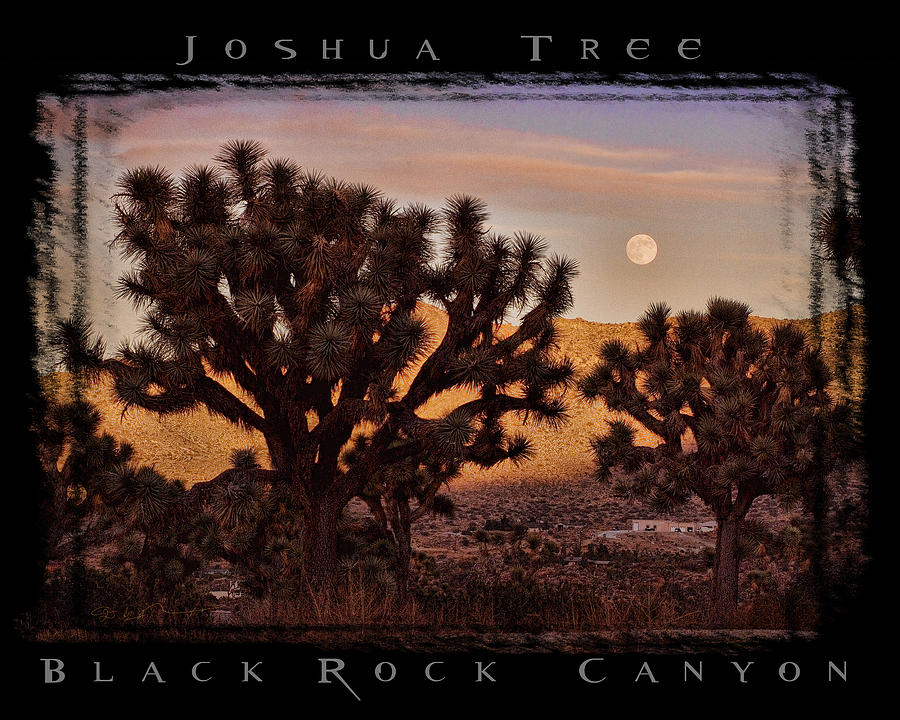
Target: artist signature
x=106, y=614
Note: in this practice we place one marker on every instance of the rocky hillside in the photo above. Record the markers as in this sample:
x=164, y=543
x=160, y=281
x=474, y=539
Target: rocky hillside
x=196, y=446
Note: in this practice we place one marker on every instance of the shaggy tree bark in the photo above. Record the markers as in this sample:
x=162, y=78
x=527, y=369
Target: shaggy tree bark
x=403, y=531
x=725, y=570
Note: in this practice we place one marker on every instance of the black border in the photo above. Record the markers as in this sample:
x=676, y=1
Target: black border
x=858, y=59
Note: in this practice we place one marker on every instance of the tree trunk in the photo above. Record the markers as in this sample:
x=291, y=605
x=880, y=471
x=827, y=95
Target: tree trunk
x=725, y=571
x=404, y=549
x=377, y=510
x=56, y=519
x=320, y=545
x=819, y=535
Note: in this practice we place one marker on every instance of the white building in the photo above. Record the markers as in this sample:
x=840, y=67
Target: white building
x=642, y=525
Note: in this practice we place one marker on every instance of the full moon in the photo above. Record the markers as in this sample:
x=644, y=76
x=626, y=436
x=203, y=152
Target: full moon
x=641, y=249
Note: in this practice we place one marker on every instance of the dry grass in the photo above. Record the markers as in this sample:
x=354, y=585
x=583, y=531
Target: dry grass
x=580, y=608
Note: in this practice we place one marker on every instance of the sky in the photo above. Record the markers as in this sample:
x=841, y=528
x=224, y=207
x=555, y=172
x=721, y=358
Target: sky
x=721, y=182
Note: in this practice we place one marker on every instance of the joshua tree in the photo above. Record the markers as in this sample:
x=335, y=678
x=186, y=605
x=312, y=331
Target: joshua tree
x=152, y=531
x=286, y=303
x=242, y=517
x=838, y=230
x=75, y=458
x=390, y=492
x=738, y=415
x=94, y=495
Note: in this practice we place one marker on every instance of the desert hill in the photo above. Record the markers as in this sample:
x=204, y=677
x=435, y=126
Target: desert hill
x=196, y=446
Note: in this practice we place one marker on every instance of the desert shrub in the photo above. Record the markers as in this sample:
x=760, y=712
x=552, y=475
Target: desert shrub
x=692, y=562
x=550, y=551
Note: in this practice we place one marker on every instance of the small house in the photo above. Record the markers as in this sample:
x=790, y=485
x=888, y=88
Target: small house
x=664, y=525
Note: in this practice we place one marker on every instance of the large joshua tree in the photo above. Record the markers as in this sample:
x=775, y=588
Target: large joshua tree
x=738, y=415
x=302, y=292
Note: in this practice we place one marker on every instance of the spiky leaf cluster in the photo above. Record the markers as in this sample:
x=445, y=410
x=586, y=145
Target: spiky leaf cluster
x=838, y=229
x=407, y=479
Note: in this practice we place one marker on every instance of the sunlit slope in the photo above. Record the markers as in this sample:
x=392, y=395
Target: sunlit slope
x=196, y=446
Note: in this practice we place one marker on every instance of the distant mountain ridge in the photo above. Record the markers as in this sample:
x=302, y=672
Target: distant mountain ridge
x=196, y=446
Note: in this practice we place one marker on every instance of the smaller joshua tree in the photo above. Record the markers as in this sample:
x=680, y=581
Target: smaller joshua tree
x=95, y=497
x=243, y=517
x=738, y=414
x=391, y=490
x=390, y=494
x=75, y=458
x=152, y=533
